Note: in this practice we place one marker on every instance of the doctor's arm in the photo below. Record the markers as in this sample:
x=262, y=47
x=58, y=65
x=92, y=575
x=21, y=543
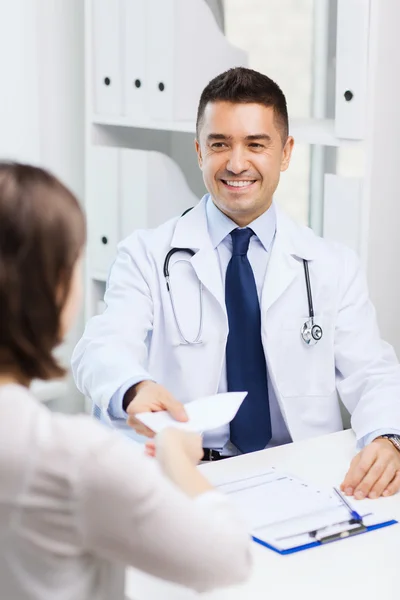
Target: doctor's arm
x=112, y=353
x=369, y=386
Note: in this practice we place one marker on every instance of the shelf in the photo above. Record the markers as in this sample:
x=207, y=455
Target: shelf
x=48, y=390
x=181, y=126
x=319, y=132
x=305, y=131
x=98, y=276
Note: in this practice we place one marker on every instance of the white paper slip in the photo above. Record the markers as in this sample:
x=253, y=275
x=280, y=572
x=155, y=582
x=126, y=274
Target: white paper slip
x=204, y=414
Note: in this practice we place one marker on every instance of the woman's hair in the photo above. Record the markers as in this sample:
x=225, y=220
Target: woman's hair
x=42, y=233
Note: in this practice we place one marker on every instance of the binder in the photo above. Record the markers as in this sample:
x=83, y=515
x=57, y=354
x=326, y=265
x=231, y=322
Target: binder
x=178, y=67
x=343, y=210
x=288, y=515
x=169, y=194
x=351, y=68
x=135, y=79
x=103, y=231
x=107, y=57
x=160, y=58
x=133, y=191
x=153, y=189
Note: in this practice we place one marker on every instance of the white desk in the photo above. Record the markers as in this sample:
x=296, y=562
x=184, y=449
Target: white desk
x=365, y=566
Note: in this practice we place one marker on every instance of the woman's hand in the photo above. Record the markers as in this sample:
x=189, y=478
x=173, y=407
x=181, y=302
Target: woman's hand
x=171, y=440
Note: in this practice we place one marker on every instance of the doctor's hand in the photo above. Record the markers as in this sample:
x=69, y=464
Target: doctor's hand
x=152, y=397
x=374, y=472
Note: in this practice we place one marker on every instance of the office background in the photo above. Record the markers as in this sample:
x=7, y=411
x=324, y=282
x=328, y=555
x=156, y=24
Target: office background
x=336, y=60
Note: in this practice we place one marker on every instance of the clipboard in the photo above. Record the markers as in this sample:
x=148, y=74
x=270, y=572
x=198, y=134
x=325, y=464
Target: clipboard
x=329, y=539
x=288, y=515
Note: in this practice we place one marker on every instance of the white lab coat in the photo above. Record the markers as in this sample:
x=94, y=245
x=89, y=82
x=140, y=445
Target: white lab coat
x=137, y=334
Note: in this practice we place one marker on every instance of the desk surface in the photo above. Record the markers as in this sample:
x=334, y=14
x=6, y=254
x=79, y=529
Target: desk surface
x=366, y=566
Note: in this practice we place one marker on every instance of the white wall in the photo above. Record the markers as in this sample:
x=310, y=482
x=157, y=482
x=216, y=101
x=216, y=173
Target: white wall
x=42, y=96
x=60, y=28
x=19, y=112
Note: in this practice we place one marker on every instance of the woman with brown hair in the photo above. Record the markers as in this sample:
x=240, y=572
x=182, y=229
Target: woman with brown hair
x=75, y=498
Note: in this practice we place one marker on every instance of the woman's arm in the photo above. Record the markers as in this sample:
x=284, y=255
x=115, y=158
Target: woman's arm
x=131, y=513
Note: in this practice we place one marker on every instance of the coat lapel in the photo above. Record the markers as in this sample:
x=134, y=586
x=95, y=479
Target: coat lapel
x=191, y=231
x=290, y=247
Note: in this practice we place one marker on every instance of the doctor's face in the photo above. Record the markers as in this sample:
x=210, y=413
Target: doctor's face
x=241, y=153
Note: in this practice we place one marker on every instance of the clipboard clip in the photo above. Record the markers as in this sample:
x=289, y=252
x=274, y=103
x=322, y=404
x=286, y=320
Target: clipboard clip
x=356, y=519
x=336, y=531
x=324, y=538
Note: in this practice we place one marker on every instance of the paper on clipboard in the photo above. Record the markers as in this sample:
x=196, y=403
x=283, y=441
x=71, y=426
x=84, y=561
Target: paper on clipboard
x=286, y=513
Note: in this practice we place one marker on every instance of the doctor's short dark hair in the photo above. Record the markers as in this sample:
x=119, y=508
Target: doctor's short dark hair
x=245, y=86
x=42, y=234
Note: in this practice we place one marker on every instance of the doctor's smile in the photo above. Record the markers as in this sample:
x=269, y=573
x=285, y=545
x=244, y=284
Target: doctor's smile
x=238, y=186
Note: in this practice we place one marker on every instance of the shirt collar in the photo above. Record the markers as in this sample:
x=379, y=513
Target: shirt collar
x=219, y=225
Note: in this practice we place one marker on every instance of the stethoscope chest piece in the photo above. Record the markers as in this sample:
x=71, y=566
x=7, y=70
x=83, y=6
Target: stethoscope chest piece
x=311, y=333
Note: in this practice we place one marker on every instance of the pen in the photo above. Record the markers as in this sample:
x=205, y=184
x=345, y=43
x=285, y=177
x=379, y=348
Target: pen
x=354, y=514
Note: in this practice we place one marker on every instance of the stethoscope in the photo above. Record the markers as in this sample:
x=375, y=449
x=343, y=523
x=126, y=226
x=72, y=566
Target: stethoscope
x=197, y=339
x=311, y=332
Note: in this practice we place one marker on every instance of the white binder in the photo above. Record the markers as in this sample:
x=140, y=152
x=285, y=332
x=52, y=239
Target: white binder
x=135, y=76
x=103, y=231
x=342, y=210
x=133, y=191
x=107, y=57
x=351, y=68
x=160, y=57
x=174, y=55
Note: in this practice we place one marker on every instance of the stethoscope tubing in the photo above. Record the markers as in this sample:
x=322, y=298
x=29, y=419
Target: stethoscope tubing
x=312, y=326
x=308, y=286
x=197, y=339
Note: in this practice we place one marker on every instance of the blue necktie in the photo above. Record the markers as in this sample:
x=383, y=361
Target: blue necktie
x=246, y=367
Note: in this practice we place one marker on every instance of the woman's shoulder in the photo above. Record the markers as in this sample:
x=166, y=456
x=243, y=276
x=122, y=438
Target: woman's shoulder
x=37, y=445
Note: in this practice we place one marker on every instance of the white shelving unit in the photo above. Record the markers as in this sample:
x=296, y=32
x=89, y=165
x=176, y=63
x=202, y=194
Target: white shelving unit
x=142, y=90
x=305, y=131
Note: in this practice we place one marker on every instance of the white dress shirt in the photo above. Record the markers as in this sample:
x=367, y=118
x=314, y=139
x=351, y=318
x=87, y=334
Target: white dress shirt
x=78, y=502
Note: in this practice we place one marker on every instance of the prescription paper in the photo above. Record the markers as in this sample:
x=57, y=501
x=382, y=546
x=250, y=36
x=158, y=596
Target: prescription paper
x=204, y=413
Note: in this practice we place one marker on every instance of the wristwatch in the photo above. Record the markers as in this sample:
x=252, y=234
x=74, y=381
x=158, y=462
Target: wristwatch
x=395, y=439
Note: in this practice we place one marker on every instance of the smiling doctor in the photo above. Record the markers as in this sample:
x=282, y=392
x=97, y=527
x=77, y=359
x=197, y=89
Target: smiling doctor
x=235, y=296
